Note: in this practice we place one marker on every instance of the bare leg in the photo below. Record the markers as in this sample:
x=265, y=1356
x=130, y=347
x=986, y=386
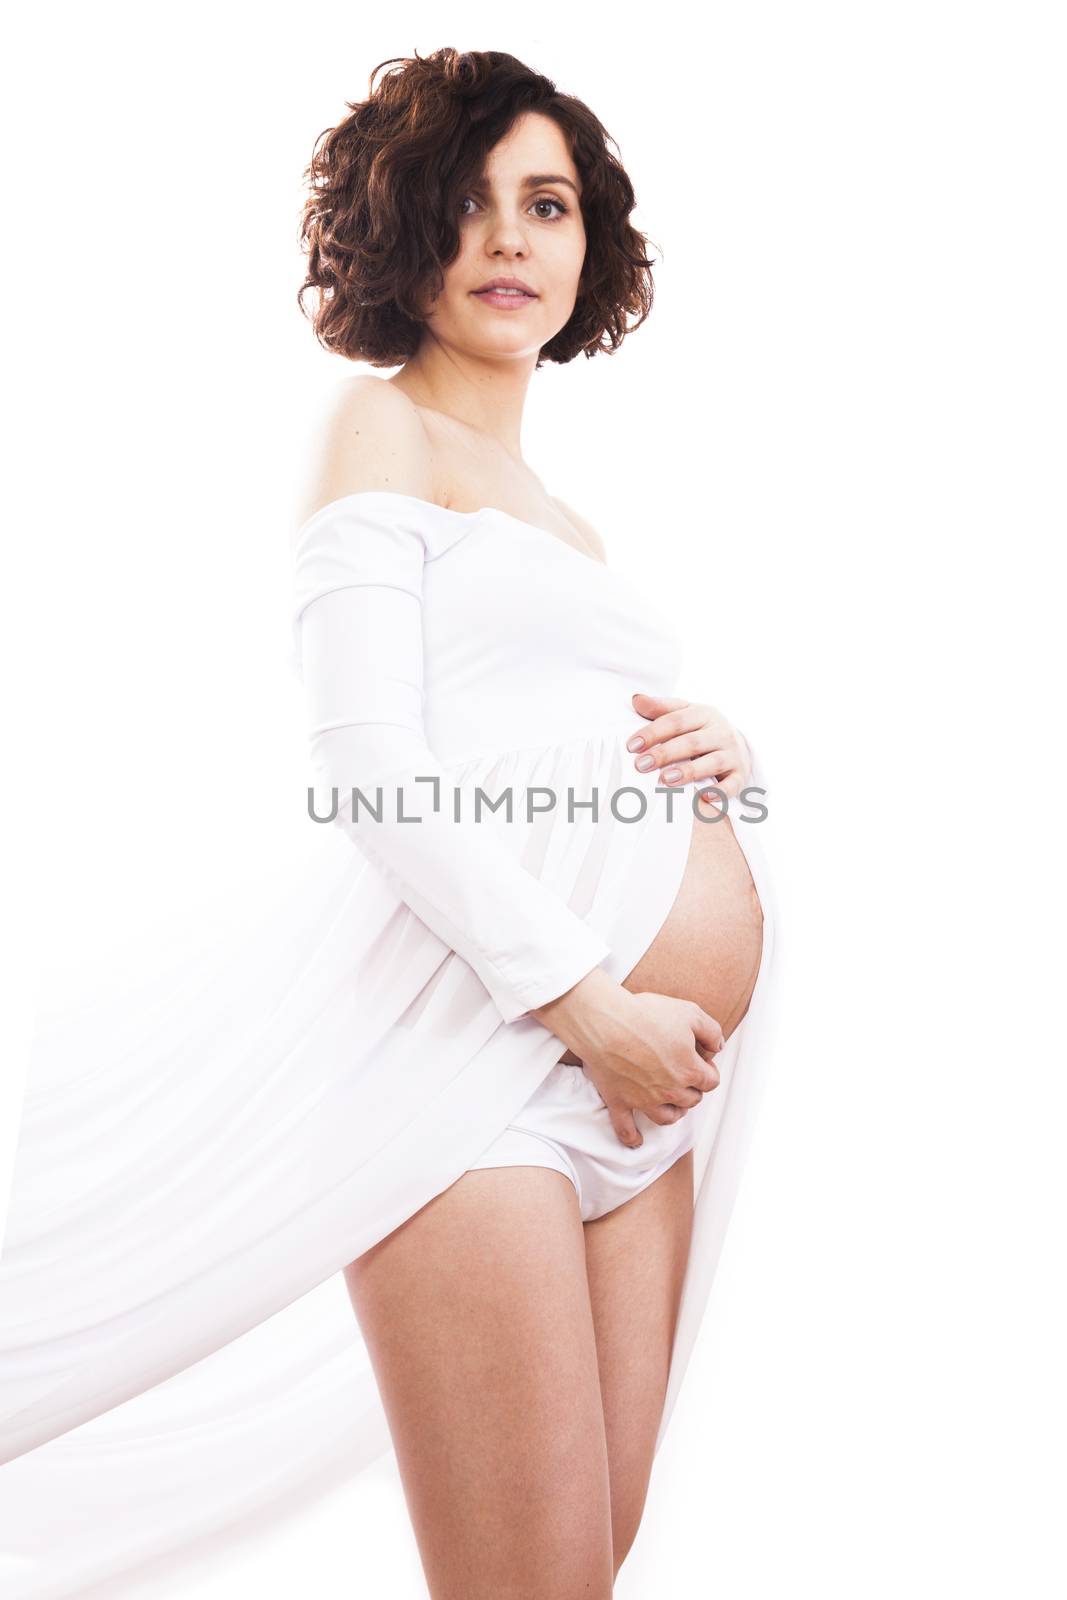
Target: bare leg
x=636, y=1257
x=478, y=1323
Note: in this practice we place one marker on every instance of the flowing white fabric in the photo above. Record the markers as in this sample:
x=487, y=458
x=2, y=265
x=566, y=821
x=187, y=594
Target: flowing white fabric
x=198, y=1159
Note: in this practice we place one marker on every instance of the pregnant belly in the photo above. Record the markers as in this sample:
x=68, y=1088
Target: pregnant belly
x=709, y=947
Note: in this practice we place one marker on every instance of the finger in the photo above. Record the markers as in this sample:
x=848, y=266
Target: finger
x=706, y=1075
x=719, y=734
x=679, y=750
x=666, y=1114
x=706, y=1072
x=713, y=804
x=712, y=1076
x=718, y=765
x=651, y=706
x=707, y=1056
x=714, y=764
x=684, y=719
x=685, y=1097
x=731, y=784
x=654, y=705
x=707, y=1031
x=626, y=1128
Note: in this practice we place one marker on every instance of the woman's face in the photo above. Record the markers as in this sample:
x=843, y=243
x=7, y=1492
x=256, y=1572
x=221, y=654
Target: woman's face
x=524, y=221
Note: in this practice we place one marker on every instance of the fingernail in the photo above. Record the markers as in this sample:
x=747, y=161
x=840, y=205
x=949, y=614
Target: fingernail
x=644, y=763
x=636, y=743
x=672, y=774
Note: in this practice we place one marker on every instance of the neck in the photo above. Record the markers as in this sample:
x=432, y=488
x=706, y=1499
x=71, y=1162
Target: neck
x=486, y=395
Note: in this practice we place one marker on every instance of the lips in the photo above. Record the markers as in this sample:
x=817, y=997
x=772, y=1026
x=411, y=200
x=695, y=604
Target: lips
x=505, y=297
x=511, y=287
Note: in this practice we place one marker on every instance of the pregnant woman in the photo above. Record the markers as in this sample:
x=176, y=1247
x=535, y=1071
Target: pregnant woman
x=459, y=627
x=440, y=1155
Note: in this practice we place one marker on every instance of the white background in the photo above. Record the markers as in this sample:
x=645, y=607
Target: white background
x=835, y=454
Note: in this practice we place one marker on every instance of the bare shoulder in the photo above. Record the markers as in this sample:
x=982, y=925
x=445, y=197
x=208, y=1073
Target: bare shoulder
x=585, y=528
x=369, y=437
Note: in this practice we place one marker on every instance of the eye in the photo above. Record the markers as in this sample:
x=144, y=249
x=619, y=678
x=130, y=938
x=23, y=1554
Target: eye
x=542, y=200
x=549, y=200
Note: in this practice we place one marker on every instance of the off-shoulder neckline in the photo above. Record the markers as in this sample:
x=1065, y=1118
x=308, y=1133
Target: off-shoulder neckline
x=447, y=511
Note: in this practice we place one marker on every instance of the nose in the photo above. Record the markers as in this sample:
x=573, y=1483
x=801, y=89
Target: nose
x=506, y=237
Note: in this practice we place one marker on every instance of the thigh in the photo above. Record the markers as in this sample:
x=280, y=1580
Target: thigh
x=479, y=1327
x=636, y=1258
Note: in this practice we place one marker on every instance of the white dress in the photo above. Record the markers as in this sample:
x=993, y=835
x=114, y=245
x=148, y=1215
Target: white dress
x=195, y=1167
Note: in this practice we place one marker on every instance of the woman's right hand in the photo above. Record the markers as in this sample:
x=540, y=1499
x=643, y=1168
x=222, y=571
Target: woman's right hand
x=643, y=1052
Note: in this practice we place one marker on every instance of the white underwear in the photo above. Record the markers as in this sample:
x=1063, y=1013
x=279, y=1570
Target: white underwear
x=566, y=1126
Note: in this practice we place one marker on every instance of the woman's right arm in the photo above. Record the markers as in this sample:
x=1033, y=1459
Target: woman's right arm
x=358, y=572
x=642, y=1051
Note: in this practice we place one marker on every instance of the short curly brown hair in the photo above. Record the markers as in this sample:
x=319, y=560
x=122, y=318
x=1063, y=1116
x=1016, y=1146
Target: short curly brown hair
x=381, y=221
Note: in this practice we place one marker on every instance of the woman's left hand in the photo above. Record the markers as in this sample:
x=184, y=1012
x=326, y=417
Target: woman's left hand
x=688, y=742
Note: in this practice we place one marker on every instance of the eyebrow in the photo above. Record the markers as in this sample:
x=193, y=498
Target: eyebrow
x=547, y=177
x=536, y=179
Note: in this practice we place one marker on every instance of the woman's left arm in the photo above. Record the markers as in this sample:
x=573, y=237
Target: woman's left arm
x=688, y=741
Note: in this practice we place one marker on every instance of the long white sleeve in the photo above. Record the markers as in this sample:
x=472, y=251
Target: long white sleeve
x=360, y=651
